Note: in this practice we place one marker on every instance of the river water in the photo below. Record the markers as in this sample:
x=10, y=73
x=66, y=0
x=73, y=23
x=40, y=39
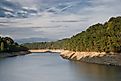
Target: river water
x=51, y=67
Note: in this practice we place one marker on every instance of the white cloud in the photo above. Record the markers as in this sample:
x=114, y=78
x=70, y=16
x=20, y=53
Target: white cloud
x=28, y=3
x=61, y=25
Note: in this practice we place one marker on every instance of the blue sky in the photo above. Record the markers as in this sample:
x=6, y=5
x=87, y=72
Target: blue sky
x=54, y=19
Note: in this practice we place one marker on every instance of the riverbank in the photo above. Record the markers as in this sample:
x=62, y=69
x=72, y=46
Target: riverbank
x=90, y=57
x=2, y=55
x=94, y=57
x=45, y=50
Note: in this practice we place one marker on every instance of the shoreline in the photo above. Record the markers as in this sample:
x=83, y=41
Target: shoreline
x=89, y=57
x=3, y=55
x=93, y=57
x=45, y=50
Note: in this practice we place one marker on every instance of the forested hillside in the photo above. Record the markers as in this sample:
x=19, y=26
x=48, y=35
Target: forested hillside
x=8, y=45
x=99, y=38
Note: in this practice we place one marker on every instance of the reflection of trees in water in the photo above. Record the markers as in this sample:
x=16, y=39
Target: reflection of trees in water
x=95, y=72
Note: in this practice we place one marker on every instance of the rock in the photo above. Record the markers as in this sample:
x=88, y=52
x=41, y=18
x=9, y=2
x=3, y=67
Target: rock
x=93, y=57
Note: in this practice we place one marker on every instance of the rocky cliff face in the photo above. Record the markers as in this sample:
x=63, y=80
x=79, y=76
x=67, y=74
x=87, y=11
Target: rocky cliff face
x=94, y=57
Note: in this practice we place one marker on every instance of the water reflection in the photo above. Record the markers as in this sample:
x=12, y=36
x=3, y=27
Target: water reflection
x=95, y=72
x=51, y=67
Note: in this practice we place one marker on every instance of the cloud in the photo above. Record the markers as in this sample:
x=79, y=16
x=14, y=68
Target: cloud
x=28, y=3
x=72, y=17
x=19, y=33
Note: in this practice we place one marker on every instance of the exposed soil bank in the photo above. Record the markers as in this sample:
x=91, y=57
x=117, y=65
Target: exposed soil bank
x=90, y=57
x=45, y=50
x=2, y=55
x=94, y=57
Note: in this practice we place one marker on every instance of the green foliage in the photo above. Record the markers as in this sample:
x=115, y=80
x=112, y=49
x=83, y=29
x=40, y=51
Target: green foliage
x=100, y=38
x=8, y=45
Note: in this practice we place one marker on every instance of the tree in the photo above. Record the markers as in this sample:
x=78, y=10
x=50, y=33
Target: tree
x=2, y=47
x=99, y=37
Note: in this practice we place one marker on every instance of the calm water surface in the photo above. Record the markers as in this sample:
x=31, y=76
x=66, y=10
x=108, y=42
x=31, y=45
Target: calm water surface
x=51, y=67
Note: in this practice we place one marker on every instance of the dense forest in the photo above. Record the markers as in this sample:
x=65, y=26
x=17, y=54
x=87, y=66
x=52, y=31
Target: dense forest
x=99, y=37
x=8, y=45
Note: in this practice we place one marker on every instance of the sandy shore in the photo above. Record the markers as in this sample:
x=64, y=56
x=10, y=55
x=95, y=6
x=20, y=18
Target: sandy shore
x=94, y=57
x=45, y=50
x=90, y=57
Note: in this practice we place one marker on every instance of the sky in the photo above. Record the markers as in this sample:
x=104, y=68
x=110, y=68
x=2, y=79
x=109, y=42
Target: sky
x=54, y=19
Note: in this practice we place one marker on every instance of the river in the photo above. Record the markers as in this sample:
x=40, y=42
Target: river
x=51, y=67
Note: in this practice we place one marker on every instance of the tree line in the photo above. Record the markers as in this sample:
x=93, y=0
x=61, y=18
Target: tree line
x=99, y=37
x=7, y=44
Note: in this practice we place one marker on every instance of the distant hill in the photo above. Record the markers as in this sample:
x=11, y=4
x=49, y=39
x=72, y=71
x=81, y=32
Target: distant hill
x=30, y=40
x=97, y=38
